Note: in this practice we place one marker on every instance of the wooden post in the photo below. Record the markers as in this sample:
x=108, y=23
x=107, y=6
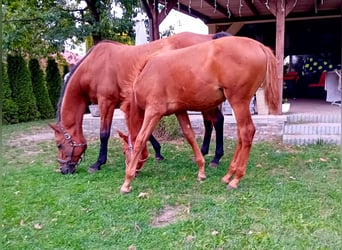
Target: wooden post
x=151, y=8
x=155, y=17
x=280, y=10
x=280, y=35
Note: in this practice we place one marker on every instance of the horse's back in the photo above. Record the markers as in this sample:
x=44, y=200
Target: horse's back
x=234, y=57
x=182, y=40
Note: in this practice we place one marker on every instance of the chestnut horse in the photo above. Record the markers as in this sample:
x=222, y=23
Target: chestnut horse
x=199, y=78
x=105, y=76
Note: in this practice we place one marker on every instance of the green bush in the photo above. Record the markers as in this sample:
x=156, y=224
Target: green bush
x=9, y=107
x=21, y=87
x=168, y=128
x=53, y=82
x=40, y=90
x=65, y=70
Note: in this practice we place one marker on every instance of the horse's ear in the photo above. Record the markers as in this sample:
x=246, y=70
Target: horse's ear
x=54, y=127
x=123, y=136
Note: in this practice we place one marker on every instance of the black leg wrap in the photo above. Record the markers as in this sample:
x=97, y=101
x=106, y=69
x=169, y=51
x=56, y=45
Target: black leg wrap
x=207, y=136
x=102, y=158
x=156, y=146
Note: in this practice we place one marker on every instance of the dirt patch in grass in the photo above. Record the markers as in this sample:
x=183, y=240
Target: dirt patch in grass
x=169, y=215
x=32, y=137
x=278, y=171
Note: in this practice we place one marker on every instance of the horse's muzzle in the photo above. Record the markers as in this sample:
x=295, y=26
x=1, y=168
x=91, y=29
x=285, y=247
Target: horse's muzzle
x=68, y=169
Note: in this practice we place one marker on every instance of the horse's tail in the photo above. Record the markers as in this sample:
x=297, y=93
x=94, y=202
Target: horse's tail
x=270, y=84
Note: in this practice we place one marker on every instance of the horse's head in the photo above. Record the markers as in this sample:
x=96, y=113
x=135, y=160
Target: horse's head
x=70, y=150
x=127, y=149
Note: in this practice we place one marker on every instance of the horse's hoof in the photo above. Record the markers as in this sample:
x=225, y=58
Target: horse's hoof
x=213, y=164
x=201, y=178
x=125, y=190
x=230, y=187
x=92, y=170
x=224, y=180
x=159, y=158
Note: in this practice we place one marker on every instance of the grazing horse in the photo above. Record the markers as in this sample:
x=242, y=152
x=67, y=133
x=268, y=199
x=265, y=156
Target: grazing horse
x=199, y=78
x=105, y=77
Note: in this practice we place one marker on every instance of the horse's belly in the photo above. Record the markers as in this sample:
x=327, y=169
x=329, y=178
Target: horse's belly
x=196, y=102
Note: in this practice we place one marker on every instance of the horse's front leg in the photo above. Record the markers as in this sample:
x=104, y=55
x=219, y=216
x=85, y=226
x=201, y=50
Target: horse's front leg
x=189, y=134
x=139, y=143
x=106, y=116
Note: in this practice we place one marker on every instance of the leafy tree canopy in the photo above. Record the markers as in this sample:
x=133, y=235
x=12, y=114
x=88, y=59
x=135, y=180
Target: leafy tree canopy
x=39, y=27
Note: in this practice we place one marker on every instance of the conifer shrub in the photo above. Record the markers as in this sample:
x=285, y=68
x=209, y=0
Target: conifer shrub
x=9, y=107
x=65, y=70
x=21, y=87
x=40, y=90
x=53, y=81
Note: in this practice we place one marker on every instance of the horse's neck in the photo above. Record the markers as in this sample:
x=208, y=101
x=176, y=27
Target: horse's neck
x=72, y=110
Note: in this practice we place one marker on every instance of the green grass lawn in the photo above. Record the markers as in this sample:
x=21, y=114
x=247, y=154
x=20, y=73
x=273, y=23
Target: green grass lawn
x=290, y=198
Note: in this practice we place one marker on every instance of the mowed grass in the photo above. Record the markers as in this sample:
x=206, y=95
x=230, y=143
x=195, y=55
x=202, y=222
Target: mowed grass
x=290, y=198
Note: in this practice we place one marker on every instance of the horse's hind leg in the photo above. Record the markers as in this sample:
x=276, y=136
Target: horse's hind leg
x=189, y=134
x=208, y=126
x=107, y=112
x=156, y=146
x=246, y=130
x=219, y=151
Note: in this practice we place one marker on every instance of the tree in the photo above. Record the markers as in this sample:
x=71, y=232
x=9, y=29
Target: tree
x=9, y=107
x=21, y=87
x=53, y=81
x=40, y=90
x=42, y=27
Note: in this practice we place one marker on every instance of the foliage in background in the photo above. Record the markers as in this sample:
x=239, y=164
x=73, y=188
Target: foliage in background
x=9, y=107
x=39, y=28
x=65, y=70
x=40, y=90
x=21, y=87
x=168, y=32
x=168, y=128
x=53, y=81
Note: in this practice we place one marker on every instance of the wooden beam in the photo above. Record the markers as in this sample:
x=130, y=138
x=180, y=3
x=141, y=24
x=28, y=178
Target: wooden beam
x=217, y=6
x=290, y=4
x=193, y=13
x=166, y=10
x=270, y=18
x=251, y=6
x=235, y=27
x=271, y=6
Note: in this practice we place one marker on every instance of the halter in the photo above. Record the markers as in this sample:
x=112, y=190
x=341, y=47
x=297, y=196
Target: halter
x=130, y=148
x=68, y=139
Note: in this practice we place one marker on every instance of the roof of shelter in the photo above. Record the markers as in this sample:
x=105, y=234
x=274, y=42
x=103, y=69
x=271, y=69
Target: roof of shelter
x=230, y=11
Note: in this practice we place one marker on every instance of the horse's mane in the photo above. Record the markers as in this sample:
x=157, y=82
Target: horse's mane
x=65, y=84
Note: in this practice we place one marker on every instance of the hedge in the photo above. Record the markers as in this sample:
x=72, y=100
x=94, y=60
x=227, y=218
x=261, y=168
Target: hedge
x=40, y=90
